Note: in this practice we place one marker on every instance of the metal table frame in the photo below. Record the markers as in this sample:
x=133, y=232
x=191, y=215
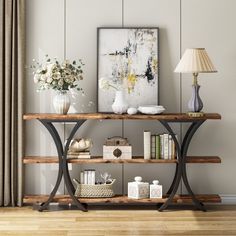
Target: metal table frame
x=180, y=172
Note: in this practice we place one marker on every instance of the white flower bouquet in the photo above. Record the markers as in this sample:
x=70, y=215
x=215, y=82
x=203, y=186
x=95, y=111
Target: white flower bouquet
x=57, y=76
x=106, y=84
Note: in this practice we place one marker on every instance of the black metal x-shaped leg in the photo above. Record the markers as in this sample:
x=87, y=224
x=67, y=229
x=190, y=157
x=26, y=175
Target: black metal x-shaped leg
x=180, y=171
x=63, y=165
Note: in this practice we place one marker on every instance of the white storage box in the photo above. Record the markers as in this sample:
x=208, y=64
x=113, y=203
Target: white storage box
x=138, y=189
x=117, y=152
x=155, y=189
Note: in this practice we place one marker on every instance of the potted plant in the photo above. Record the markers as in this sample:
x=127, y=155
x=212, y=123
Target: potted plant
x=59, y=76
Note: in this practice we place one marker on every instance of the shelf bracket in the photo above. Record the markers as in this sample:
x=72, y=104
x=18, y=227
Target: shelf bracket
x=63, y=165
x=180, y=172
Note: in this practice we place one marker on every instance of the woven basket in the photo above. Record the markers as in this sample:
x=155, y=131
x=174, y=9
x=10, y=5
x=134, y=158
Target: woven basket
x=94, y=191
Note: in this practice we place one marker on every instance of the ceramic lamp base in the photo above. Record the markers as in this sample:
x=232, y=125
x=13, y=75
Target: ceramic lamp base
x=195, y=114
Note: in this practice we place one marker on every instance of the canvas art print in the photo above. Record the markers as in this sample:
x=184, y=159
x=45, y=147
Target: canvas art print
x=127, y=61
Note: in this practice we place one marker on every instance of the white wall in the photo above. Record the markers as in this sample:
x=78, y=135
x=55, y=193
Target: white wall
x=67, y=28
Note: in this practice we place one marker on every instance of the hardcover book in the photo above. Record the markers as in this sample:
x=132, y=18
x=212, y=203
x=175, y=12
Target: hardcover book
x=166, y=146
x=153, y=146
x=158, y=147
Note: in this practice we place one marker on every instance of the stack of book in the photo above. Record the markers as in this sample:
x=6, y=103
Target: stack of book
x=88, y=177
x=162, y=147
x=159, y=146
x=80, y=155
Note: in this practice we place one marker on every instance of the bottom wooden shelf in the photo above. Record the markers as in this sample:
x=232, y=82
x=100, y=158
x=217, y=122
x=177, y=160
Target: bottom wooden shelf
x=210, y=198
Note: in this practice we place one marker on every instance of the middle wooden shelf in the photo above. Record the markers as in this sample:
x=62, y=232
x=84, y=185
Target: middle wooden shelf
x=134, y=160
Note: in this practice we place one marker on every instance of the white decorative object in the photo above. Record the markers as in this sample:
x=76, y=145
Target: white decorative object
x=61, y=102
x=132, y=111
x=117, y=152
x=151, y=109
x=120, y=105
x=138, y=178
x=147, y=144
x=80, y=145
x=138, y=189
x=155, y=189
x=106, y=177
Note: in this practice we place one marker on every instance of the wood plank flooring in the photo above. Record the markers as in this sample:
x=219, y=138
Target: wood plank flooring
x=117, y=221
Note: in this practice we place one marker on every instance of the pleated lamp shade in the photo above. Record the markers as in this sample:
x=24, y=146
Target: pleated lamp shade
x=195, y=60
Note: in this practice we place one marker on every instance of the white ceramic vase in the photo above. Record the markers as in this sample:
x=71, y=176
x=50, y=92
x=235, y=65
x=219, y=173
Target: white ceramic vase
x=120, y=105
x=61, y=102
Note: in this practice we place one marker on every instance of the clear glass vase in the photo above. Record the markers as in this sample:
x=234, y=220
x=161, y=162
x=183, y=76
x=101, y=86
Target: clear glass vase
x=61, y=102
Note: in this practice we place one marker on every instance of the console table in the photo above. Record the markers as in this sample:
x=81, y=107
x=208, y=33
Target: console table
x=165, y=119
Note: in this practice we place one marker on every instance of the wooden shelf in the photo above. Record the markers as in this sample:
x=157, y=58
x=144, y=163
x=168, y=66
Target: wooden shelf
x=174, y=117
x=134, y=160
x=210, y=198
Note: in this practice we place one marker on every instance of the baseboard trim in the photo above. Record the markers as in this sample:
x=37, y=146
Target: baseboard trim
x=228, y=198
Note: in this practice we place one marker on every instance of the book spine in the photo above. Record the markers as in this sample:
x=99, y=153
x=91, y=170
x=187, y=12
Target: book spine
x=78, y=156
x=89, y=177
x=153, y=146
x=176, y=154
x=173, y=154
x=158, y=147
x=85, y=177
x=82, y=177
x=170, y=141
x=166, y=145
x=147, y=144
x=162, y=146
x=93, y=177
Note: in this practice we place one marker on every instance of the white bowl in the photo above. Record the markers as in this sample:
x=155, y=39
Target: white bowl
x=151, y=109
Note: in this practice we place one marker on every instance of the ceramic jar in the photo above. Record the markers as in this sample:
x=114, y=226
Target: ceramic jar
x=138, y=189
x=120, y=105
x=155, y=189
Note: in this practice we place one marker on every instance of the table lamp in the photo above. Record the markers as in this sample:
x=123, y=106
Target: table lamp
x=195, y=61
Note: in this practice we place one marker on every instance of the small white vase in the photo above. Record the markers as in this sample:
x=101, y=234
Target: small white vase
x=120, y=105
x=61, y=102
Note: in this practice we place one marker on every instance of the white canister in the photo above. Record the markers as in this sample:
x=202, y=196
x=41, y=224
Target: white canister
x=155, y=189
x=138, y=189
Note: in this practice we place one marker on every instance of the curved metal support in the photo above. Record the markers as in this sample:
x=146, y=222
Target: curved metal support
x=180, y=171
x=188, y=137
x=183, y=144
x=179, y=168
x=173, y=182
x=67, y=178
x=66, y=174
x=51, y=129
x=63, y=165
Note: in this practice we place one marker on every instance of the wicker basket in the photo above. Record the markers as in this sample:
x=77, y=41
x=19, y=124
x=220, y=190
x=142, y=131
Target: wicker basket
x=96, y=191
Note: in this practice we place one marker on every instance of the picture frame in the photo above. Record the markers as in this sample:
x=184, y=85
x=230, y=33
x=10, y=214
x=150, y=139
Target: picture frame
x=127, y=58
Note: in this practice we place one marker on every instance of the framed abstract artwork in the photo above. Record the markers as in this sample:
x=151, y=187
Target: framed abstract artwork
x=128, y=60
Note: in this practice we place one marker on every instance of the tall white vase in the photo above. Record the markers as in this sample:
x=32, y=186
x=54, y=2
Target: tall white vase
x=61, y=102
x=120, y=105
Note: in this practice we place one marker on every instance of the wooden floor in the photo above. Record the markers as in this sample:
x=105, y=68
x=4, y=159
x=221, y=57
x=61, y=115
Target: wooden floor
x=219, y=220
